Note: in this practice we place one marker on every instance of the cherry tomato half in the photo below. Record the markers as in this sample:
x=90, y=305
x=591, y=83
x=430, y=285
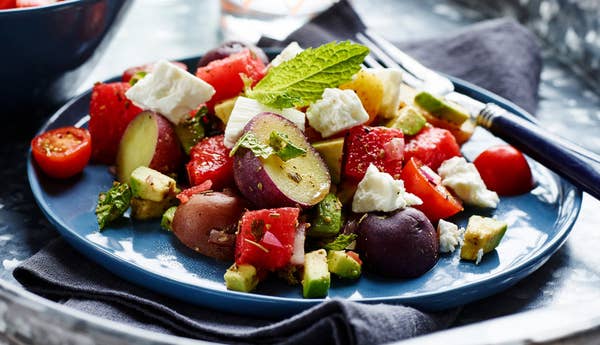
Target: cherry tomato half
x=504, y=170
x=62, y=152
x=420, y=180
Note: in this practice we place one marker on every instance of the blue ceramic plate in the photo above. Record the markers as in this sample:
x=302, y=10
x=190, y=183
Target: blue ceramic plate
x=143, y=253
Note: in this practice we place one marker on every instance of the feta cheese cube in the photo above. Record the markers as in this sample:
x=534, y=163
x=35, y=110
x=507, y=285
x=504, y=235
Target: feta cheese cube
x=451, y=237
x=286, y=54
x=336, y=111
x=170, y=91
x=245, y=109
x=391, y=80
x=464, y=180
x=378, y=191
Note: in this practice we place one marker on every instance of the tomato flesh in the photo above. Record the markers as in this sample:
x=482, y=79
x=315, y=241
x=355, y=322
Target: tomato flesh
x=62, y=152
x=209, y=160
x=504, y=170
x=438, y=203
x=432, y=146
x=266, y=237
x=225, y=75
x=34, y=3
x=366, y=145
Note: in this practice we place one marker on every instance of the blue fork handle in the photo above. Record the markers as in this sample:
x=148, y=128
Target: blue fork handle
x=572, y=162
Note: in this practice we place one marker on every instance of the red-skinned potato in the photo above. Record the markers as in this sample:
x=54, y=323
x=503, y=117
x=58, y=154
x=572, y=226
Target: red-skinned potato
x=402, y=244
x=150, y=141
x=207, y=223
x=302, y=181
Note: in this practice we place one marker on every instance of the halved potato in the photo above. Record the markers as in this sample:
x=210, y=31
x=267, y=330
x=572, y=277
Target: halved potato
x=302, y=181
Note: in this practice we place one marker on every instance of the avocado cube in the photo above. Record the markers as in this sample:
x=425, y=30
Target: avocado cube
x=149, y=184
x=316, y=277
x=409, y=120
x=148, y=209
x=331, y=151
x=167, y=218
x=241, y=278
x=223, y=109
x=343, y=265
x=482, y=233
x=328, y=217
x=441, y=109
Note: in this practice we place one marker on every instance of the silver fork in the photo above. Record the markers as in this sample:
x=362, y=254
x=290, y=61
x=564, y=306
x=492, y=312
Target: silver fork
x=571, y=161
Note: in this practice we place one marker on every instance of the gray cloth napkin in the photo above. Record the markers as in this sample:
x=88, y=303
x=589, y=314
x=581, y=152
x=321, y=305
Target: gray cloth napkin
x=499, y=55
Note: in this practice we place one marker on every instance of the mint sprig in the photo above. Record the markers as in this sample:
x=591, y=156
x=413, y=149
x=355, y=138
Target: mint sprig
x=283, y=147
x=341, y=242
x=301, y=80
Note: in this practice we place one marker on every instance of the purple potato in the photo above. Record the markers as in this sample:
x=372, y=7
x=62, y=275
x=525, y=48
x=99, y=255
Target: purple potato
x=403, y=244
x=228, y=48
x=302, y=181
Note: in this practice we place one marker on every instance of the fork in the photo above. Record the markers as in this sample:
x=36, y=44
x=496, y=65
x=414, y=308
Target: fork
x=573, y=162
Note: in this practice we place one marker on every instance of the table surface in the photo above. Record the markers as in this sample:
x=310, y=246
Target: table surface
x=187, y=28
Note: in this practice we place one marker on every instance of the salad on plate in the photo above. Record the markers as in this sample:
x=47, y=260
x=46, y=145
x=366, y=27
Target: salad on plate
x=305, y=167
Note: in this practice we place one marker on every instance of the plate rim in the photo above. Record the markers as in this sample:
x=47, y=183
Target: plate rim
x=282, y=306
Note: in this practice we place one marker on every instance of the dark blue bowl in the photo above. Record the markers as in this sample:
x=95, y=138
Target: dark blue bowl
x=47, y=51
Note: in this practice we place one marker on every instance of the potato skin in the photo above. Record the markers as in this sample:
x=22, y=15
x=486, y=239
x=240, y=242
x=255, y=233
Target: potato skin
x=229, y=48
x=203, y=213
x=167, y=155
x=403, y=244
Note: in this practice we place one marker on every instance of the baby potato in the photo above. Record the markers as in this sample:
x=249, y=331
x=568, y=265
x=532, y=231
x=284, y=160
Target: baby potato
x=370, y=91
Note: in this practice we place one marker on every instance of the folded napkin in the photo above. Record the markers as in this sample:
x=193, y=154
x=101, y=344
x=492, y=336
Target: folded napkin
x=499, y=55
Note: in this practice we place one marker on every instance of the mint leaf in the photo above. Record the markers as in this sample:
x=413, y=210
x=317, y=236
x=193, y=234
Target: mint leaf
x=301, y=80
x=283, y=147
x=112, y=203
x=340, y=242
x=249, y=141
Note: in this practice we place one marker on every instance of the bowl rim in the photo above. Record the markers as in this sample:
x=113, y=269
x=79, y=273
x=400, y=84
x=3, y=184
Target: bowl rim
x=37, y=9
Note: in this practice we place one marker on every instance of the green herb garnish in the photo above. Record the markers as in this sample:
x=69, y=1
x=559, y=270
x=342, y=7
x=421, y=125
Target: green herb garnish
x=340, y=242
x=113, y=203
x=283, y=147
x=250, y=141
x=301, y=80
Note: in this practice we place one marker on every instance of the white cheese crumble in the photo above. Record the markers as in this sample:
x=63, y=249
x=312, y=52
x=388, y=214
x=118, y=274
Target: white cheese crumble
x=170, y=91
x=379, y=191
x=245, y=109
x=479, y=256
x=336, y=111
x=391, y=80
x=464, y=180
x=451, y=237
x=286, y=54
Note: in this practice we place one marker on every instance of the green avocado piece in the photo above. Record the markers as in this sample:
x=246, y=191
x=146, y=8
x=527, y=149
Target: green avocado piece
x=440, y=108
x=331, y=151
x=482, y=233
x=191, y=131
x=328, y=217
x=150, y=184
x=241, y=278
x=223, y=109
x=343, y=265
x=316, y=277
x=167, y=218
x=148, y=209
x=409, y=120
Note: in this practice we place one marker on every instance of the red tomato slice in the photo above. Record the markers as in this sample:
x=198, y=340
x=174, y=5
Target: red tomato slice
x=438, y=203
x=187, y=193
x=34, y=3
x=62, y=152
x=6, y=4
x=266, y=237
x=380, y=146
x=209, y=160
x=130, y=72
x=225, y=75
x=432, y=146
x=504, y=170
x=110, y=113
